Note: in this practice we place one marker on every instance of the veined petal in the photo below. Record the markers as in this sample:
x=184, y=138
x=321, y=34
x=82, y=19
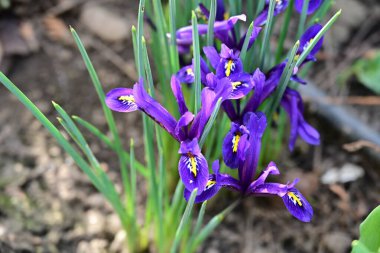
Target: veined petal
x=154, y=109
x=177, y=91
x=121, y=100
x=242, y=84
x=297, y=205
x=211, y=189
x=312, y=7
x=234, y=145
x=193, y=168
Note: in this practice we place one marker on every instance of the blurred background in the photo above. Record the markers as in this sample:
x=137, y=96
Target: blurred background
x=48, y=205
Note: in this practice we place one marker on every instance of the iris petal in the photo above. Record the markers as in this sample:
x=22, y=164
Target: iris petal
x=297, y=205
x=121, y=100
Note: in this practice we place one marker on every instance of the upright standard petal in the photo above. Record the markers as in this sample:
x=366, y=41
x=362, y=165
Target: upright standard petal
x=121, y=100
x=230, y=63
x=313, y=5
x=154, y=109
x=297, y=205
x=254, y=102
x=212, y=55
x=192, y=167
x=256, y=124
x=177, y=91
x=234, y=144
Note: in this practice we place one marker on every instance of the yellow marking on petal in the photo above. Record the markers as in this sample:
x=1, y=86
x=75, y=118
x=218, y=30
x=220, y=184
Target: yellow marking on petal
x=226, y=16
x=229, y=67
x=235, y=84
x=193, y=164
x=126, y=98
x=294, y=197
x=210, y=183
x=190, y=72
x=236, y=143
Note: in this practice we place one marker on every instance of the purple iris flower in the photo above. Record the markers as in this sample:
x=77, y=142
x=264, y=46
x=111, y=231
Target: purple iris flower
x=193, y=167
x=307, y=38
x=184, y=36
x=293, y=105
x=294, y=201
x=282, y=5
x=313, y=5
x=221, y=13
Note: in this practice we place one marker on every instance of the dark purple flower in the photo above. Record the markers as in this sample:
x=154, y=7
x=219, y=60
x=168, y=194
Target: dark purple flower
x=293, y=105
x=234, y=145
x=307, y=38
x=313, y=5
x=215, y=182
x=221, y=13
x=186, y=74
x=184, y=35
x=121, y=100
x=280, y=6
x=229, y=63
x=294, y=201
x=192, y=166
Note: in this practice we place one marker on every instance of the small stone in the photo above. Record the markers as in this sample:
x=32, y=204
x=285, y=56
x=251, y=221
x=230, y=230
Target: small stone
x=108, y=25
x=95, y=222
x=336, y=242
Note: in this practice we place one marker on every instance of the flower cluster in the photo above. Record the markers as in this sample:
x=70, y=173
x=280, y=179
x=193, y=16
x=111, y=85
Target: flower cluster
x=227, y=81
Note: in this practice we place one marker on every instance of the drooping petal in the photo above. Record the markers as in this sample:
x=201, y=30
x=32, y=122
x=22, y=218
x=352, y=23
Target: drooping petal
x=313, y=5
x=297, y=205
x=121, y=100
x=177, y=91
x=186, y=74
x=234, y=145
x=242, y=84
x=293, y=105
x=192, y=167
x=211, y=189
x=154, y=109
x=212, y=55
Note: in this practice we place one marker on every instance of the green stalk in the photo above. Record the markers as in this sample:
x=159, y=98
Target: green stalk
x=317, y=38
x=210, y=123
x=267, y=31
x=184, y=221
x=197, y=63
x=96, y=132
x=173, y=44
x=211, y=21
x=301, y=24
x=284, y=31
x=246, y=42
